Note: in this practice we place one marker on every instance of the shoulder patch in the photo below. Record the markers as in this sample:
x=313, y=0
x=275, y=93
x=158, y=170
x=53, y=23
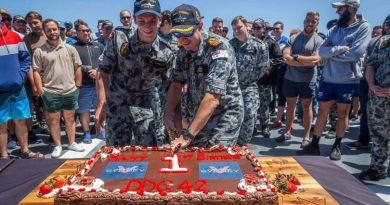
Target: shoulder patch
x=219, y=54
x=214, y=42
x=384, y=44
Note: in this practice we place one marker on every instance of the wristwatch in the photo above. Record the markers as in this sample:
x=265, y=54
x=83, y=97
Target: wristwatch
x=295, y=57
x=187, y=135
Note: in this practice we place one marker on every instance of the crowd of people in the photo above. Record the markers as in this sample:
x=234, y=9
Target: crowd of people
x=167, y=80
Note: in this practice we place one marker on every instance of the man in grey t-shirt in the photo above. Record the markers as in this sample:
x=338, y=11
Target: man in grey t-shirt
x=301, y=56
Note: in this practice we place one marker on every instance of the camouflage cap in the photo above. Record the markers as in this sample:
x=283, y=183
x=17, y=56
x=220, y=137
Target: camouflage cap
x=5, y=11
x=353, y=3
x=259, y=23
x=18, y=18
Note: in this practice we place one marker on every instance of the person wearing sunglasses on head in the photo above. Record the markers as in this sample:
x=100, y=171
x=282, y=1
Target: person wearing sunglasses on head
x=207, y=63
x=128, y=71
x=126, y=20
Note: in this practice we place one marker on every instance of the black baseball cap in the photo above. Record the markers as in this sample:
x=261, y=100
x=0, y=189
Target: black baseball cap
x=185, y=19
x=147, y=6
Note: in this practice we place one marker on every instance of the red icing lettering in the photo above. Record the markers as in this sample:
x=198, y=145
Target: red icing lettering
x=185, y=186
x=139, y=186
x=201, y=184
x=167, y=183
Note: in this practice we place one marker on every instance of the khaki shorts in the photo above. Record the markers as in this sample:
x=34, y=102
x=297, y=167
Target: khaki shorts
x=56, y=102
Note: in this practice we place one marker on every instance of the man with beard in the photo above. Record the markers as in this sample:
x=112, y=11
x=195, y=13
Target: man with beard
x=276, y=59
x=301, y=56
x=19, y=24
x=131, y=65
x=217, y=26
x=252, y=63
x=207, y=63
x=345, y=44
x=57, y=76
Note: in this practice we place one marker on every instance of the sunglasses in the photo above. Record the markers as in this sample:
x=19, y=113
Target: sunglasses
x=85, y=30
x=125, y=17
x=7, y=19
x=179, y=35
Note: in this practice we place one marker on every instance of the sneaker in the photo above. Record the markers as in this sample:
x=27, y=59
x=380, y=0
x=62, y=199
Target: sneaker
x=11, y=144
x=357, y=145
x=102, y=135
x=309, y=150
x=87, y=138
x=265, y=132
x=56, y=152
x=305, y=143
x=354, y=117
x=335, y=154
x=331, y=133
x=276, y=124
x=283, y=137
x=372, y=175
x=76, y=147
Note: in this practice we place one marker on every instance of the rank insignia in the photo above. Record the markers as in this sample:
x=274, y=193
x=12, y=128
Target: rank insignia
x=124, y=50
x=384, y=44
x=213, y=42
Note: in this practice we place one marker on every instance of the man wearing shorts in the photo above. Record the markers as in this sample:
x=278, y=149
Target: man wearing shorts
x=344, y=45
x=60, y=67
x=14, y=63
x=301, y=56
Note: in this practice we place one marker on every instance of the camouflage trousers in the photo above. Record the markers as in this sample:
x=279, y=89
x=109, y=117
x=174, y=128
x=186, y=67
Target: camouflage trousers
x=378, y=112
x=162, y=87
x=136, y=118
x=221, y=129
x=251, y=106
x=263, y=114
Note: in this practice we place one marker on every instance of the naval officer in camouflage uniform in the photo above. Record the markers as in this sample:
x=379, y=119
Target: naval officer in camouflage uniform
x=207, y=63
x=378, y=109
x=252, y=63
x=130, y=66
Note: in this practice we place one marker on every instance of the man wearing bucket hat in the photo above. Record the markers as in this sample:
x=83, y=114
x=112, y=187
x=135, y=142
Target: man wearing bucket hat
x=130, y=66
x=342, y=50
x=206, y=62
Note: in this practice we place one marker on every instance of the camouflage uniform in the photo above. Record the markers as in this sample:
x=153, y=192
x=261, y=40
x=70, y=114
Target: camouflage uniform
x=252, y=63
x=264, y=83
x=133, y=104
x=212, y=69
x=378, y=109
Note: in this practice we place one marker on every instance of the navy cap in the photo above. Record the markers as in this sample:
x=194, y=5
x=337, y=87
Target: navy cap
x=259, y=23
x=387, y=20
x=147, y=6
x=18, y=18
x=185, y=19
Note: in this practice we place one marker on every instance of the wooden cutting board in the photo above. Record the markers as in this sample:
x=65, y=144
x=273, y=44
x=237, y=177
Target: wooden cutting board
x=312, y=193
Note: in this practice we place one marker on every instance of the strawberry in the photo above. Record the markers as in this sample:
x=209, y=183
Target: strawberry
x=45, y=189
x=60, y=183
x=291, y=187
x=296, y=181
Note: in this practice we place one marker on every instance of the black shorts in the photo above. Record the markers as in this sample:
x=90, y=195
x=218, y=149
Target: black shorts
x=295, y=89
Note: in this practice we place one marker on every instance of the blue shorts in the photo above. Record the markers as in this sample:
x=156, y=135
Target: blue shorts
x=341, y=93
x=87, y=98
x=293, y=89
x=14, y=106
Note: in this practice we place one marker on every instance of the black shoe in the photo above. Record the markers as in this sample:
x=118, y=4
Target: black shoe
x=309, y=150
x=283, y=138
x=357, y=145
x=372, y=175
x=265, y=132
x=331, y=133
x=354, y=117
x=335, y=154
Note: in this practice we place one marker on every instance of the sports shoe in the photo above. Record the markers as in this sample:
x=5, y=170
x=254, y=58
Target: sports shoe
x=265, y=131
x=56, y=152
x=354, y=117
x=283, y=137
x=331, y=133
x=76, y=147
x=12, y=142
x=102, y=135
x=357, y=145
x=305, y=143
x=335, y=154
x=277, y=124
x=372, y=175
x=87, y=138
x=309, y=150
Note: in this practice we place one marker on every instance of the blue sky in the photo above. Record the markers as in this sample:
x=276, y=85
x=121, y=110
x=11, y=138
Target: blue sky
x=291, y=12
